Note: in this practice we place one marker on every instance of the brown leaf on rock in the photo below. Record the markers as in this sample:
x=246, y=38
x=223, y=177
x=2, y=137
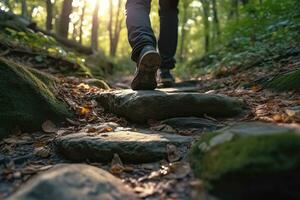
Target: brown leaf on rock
x=117, y=166
x=49, y=127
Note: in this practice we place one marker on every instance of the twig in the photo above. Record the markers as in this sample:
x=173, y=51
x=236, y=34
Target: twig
x=5, y=52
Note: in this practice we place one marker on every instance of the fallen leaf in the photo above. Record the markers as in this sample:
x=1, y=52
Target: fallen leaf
x=49, y=127
x=42, y=152
x=83, y=86
x=173, y=153
x=117, y=166
x=256, y=88
x=84, y=111
x=164, y=128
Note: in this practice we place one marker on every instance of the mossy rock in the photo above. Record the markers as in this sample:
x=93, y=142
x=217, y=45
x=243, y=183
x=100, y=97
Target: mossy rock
x=249, y=161
x=285, y=82
x=27, y=99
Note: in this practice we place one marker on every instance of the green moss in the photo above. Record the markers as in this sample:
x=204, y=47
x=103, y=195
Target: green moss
x=250, y=167
x=26, y=101
x=289, y=81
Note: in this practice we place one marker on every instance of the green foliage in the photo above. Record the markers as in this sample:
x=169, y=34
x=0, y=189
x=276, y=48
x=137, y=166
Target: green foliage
x=262, y=32
x=45, y=45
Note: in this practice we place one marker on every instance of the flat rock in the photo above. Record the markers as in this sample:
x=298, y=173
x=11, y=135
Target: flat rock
x=132, y=147
x=249, y=161
x=74, y=182
x=192, y=123
x=180, y=89
x=140, y=106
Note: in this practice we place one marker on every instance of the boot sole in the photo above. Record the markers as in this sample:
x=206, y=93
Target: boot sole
x=145, y=75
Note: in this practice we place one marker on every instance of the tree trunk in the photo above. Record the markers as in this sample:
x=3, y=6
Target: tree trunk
x=95, y=27
x=183, y=32
x=64, y=19
x=234, y=10
x=81, y=21
x=24, y=12
x=206, y=23
x=49, y=20
x=114, y=33
x=216, y=20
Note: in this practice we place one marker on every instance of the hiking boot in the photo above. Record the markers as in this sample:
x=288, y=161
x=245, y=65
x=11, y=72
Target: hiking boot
x=147, y=66
x=166, y=79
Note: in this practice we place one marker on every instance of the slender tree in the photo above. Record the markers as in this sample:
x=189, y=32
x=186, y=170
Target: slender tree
x=95, y=27
x=64, y=19
x=216, y=22
x=81, y=21
x=234, y=10
x=24, y=11
x=185, y=5
x=49, y=19
x=114, y=27
x=206, y=23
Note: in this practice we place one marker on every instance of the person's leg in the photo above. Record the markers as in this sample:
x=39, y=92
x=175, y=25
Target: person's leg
x=143, y=43
x=167, y=42
x=140, y=33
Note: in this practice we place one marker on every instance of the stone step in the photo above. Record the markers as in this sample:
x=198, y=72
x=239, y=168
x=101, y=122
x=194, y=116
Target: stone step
x=140, y=106
x=132, y=147
x=74, y=182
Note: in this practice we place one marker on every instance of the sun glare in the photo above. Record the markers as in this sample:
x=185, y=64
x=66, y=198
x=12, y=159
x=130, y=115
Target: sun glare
x=104, y=5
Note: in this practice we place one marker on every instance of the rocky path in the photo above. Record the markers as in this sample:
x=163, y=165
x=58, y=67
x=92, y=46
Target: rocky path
x=168, y=133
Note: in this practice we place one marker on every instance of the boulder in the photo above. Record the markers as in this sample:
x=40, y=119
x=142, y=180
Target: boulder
x=249, y=161
x=27, y=99
x=140, y=106
x=132, y=147
x=74, y=182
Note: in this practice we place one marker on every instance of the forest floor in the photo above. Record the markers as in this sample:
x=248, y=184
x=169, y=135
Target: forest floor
x=24, y=155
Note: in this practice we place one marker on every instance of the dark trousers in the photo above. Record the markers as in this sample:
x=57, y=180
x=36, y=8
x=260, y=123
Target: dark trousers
x=141, y=34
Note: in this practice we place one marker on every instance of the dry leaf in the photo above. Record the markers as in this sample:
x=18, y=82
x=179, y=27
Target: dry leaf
x=42, y=152
x=84, y=111
x=164, y=128
x=83, y=86
x=49, y=127
x=256, y=88
x=173, y=153
x=117, y=166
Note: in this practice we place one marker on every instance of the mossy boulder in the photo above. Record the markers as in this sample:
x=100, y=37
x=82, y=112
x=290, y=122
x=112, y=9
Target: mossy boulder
x=27, y=99
x=249, y=161
x=288, y=81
